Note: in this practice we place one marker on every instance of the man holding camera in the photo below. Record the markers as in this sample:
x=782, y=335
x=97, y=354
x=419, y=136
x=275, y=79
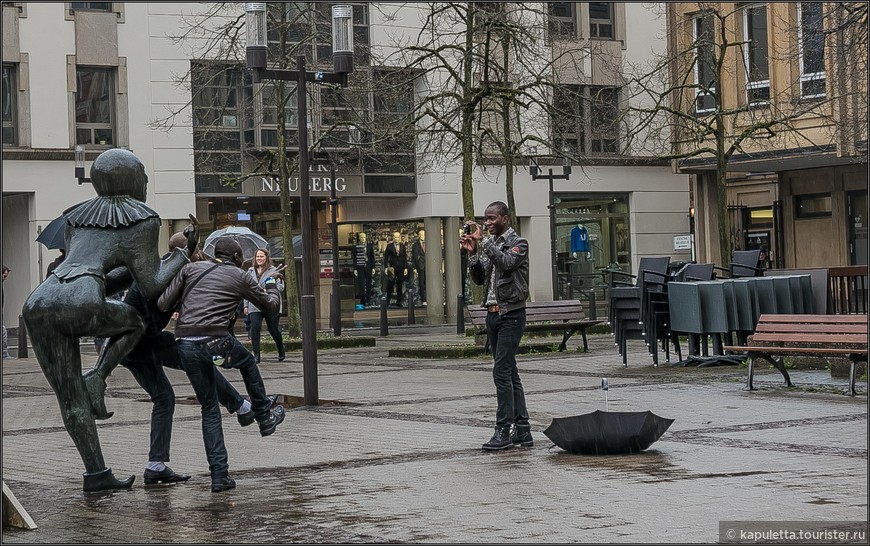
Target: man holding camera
x=501, y=264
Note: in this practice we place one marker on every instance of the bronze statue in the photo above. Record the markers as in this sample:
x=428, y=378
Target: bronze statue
x=108, y=239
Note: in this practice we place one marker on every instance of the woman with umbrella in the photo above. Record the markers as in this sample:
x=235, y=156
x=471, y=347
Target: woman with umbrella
x=260, y=271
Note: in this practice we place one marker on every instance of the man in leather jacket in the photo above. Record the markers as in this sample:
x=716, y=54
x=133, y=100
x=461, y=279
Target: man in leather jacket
x=209, y=293
x=501, y=264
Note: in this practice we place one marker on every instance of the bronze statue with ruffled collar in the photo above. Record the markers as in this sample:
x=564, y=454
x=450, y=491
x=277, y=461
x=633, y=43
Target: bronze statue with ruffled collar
x=110, y=240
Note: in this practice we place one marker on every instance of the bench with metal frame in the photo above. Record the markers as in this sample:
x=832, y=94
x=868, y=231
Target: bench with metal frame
x=565, y=316
x=806, y=335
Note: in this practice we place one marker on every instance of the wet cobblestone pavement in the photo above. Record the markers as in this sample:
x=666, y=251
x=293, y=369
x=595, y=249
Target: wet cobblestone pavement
x=398, y=459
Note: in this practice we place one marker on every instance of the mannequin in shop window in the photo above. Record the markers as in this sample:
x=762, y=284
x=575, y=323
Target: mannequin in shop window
x=418, y=261
x=363, y=268
x=579, y=241
x=395, y=267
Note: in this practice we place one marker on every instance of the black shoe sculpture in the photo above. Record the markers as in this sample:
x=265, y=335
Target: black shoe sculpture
x=104, y=480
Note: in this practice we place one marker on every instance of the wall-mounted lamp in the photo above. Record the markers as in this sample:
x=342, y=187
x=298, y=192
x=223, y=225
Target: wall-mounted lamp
x=80, y=165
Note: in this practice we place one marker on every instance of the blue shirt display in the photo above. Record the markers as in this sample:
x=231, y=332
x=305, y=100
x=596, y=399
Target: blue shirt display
x=579, y=239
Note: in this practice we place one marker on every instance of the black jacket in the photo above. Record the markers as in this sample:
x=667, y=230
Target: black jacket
x=209, y=307
x=509, y=255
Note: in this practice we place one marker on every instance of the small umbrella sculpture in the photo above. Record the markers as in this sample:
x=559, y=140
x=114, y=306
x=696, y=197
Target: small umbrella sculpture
x=607, y=432
x=53, y=235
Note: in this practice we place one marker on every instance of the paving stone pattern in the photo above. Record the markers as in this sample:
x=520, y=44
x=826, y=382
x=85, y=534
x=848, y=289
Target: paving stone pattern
x=399, y=459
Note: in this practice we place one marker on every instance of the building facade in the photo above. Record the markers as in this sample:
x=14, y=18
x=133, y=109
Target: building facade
x=796, y=72
x=136, y=75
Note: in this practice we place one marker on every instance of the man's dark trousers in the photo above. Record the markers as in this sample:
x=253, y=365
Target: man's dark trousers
x=199, y=366
x=504, y=332
x=146, y=362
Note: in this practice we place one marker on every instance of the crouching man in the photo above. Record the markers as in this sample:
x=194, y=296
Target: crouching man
x=206, y=295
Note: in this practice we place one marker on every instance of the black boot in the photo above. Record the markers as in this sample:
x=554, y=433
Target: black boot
x=222, y=483
x=104, y=480
x=521, y=436
x=500, y=440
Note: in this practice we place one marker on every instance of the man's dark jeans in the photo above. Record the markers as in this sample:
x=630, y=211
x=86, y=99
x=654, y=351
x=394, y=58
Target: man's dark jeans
x=257, y=327
x=504, y=332
x=199, y=366
x=146, y=362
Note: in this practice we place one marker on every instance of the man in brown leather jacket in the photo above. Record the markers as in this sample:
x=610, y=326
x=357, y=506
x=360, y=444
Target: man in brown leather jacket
x=209, y=293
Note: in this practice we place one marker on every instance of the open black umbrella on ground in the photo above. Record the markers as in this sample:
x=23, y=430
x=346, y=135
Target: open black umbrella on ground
x=53, y=235
x=607, y=432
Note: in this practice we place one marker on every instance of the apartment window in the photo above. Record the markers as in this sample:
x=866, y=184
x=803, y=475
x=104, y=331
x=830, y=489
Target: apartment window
x=755, y=54
x=811, y=52
x=584, y=120
x=10, y=108
x=601, y=20
x=604, y=131
x=705, y=74
x=90, y=6
x=95, y=106
x=221, y=124
x=562, y=19
x=390, y=166
x=269, y=122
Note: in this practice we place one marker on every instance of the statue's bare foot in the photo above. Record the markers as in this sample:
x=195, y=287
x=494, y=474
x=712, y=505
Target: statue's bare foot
x=96, y=387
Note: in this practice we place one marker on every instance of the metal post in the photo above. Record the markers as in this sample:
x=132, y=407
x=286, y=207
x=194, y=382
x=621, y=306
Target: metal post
x=335, y=309
x=552, y=208
x=385, y=327
x=460, y=315
x=309, y=332
x=593, y=306
x=409, y=299
x=22, y=338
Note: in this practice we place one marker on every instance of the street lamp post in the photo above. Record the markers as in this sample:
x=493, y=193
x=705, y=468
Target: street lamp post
x=342, y=58
x=534, y=170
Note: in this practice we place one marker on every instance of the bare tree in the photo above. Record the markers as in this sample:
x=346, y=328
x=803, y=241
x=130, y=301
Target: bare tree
x=688, y=103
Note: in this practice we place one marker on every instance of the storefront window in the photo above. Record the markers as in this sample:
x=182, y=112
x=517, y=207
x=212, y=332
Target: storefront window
x=592, y=233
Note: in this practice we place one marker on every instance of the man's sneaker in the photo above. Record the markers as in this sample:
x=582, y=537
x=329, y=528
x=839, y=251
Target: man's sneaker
x=222, y=483
x=167, y=475
x=500, y=440
x=521, y=436
x=246, y=419
x=268, y=426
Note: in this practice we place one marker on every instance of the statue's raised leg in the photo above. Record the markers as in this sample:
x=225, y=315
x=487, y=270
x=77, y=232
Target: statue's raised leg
x=125, y=328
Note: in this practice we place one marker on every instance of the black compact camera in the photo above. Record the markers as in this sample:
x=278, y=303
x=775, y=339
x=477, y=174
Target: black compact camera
x=468, y=229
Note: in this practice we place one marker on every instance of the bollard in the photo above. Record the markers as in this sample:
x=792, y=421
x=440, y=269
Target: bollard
x=385, y=328
x=570, y=291
x=22, y=338
x=593, y=306
x=460, y=315
x=409, y=299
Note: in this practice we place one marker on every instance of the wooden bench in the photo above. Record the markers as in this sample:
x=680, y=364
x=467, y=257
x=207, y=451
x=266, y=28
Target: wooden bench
x=565, y=316
x=806, y=335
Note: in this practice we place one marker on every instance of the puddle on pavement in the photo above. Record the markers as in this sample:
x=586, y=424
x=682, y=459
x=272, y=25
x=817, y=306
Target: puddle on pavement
x=654, y=464
x=289, y=401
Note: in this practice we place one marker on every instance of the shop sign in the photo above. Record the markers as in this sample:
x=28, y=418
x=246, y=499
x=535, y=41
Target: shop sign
x=682, y=242
x=320, y=183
